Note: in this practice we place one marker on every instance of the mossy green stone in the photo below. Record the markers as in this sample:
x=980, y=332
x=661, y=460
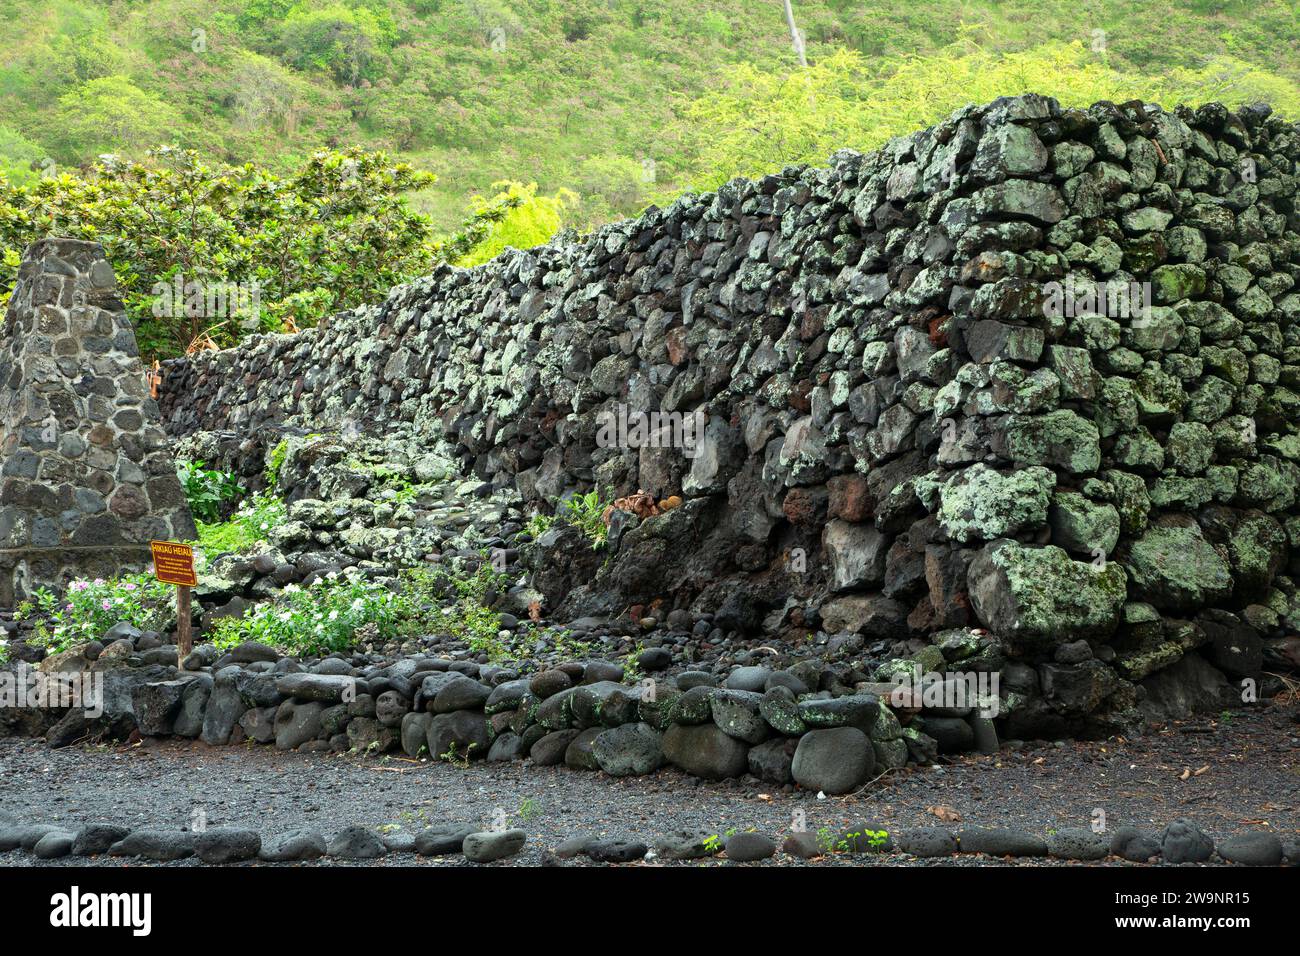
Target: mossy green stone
x=1061, y=438
x=1174, y=568
x=1040, y=596
x=981, y=504
x=1190, y=447
x=1083, y=526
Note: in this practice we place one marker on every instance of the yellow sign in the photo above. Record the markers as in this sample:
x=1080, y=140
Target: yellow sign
x=173, y=563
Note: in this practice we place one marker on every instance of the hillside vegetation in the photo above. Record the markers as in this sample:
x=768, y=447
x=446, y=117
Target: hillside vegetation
x=539, y=113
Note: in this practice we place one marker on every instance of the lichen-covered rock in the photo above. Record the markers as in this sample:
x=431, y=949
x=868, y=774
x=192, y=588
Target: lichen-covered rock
x=980, y=504
x=1083, y=526
x=1173, y=567
x=1035, y=596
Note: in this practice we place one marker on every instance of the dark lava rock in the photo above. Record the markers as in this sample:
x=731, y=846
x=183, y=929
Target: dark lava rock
x=227, y=845
x=1250, y=849
x=1001, y=841
x=490, y=845
x=155, y=845
x=750, y=847
x=705, y=750
x=293, y=847
x=1136, y=846
x=615, y=851
x=684, y=845
x=837, y=760
x=1078, y=843
x=1184, y=842
x=928, y=842
x=95, y=838
x=442, y=840
x=356, y=843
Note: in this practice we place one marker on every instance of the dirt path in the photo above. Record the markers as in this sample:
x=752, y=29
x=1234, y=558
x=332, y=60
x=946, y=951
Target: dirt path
x=1251, y=779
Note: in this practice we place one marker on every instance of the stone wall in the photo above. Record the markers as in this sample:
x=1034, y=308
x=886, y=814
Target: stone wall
x=910, y=428
x=87, y=477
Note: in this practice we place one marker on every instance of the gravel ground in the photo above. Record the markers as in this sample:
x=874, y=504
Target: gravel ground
x=1229, y=774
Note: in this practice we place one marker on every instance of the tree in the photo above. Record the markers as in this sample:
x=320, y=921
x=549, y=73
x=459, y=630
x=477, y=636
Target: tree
x=110, y=114
x=335, y=234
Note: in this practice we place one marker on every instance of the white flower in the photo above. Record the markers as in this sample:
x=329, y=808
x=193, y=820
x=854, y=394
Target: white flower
x=334, y=615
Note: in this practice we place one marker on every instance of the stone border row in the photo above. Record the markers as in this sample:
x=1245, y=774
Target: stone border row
x=1182, y=841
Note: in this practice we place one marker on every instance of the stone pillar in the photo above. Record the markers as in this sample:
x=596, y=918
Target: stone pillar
x=87, y=479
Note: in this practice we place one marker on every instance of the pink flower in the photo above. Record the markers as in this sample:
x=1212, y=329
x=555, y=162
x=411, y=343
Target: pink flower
x=128, y=586
x=107, y=604
x=99, y=582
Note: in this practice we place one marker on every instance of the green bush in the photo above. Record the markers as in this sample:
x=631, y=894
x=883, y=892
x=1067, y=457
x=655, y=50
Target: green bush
x=334, y=234
x=252, y=521
x=318, y=619
x=587, y=514
x=438, y=600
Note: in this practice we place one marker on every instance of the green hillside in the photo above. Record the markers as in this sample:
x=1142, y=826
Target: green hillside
x=620, y=101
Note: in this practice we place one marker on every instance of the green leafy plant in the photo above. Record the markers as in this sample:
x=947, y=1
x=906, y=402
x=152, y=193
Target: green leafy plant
x=208, y=491
x=320, y=618
x=632, y=672
x=88, y=608
x=587, y=514
x=453, y=756
x=538, y=525
x=569, y=646
x=274, y=462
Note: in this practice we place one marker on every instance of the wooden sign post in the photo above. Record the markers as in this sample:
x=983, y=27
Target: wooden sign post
x=173, y=563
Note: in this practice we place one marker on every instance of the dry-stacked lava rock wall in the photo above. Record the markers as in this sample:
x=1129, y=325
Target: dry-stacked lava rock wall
x=1031, y=369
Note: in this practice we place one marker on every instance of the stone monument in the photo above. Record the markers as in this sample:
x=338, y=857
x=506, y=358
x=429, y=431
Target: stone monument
x=87, y=479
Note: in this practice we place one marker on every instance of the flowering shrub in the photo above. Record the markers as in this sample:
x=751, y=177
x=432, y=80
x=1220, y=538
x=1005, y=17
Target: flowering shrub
x=320, y=618
x=89, y=608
